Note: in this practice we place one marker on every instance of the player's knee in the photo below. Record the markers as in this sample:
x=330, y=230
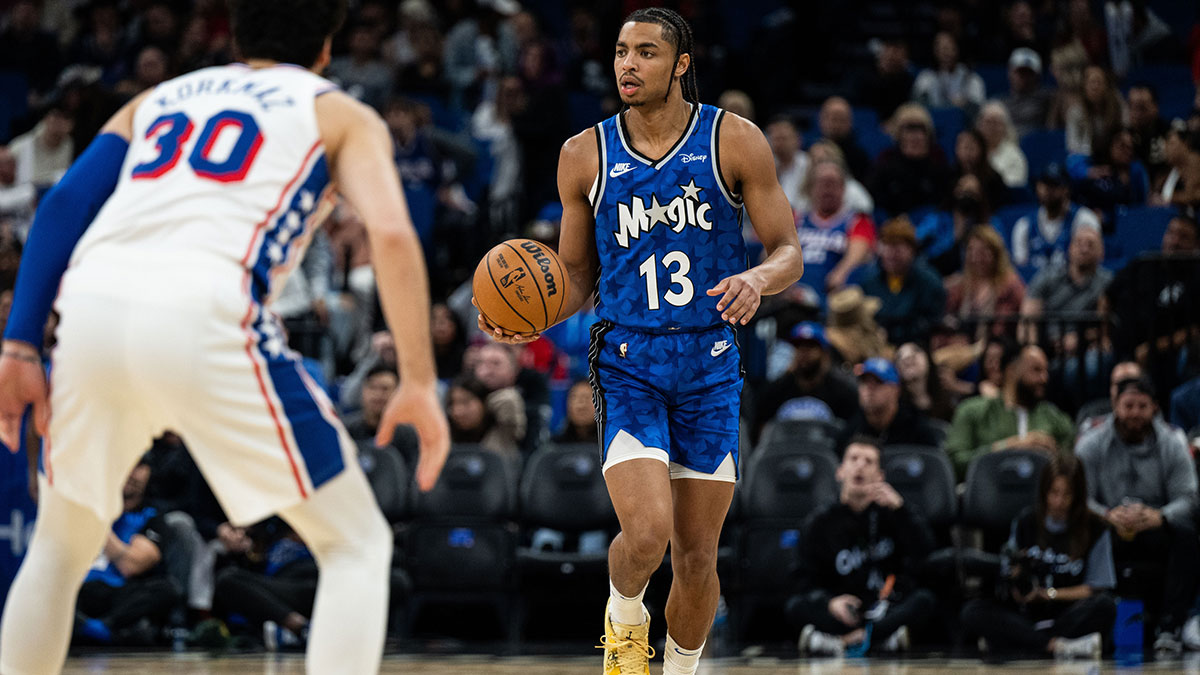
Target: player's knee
x=375, y=543
x=694, y=563
x=649, y=538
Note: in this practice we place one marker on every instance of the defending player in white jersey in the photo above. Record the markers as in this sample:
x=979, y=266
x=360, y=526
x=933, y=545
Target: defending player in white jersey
x=177, y=222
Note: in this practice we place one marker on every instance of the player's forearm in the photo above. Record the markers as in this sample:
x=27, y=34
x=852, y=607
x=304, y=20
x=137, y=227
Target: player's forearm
x=782, y=268
x=404, y=295
x=583, y=284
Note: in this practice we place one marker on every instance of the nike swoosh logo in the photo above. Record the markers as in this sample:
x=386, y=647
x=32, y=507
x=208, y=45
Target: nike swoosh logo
x=718, y=350
x=618, y=170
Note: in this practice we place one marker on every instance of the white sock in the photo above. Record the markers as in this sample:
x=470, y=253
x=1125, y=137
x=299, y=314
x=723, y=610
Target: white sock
x=680, y=661
x=625, y=610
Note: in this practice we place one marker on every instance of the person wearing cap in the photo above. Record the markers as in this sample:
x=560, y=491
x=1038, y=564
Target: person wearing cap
x=811, y=387
x=1028, y=102
x=849, y=552
x=1020, y=417
x=1073, y=285
x=882, y=411
x=1141, y=479
x=851, y=327
x=911, y=292
x=1043, y=236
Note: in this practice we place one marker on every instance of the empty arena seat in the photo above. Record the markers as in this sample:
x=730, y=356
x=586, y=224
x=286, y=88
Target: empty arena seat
x=999, y=485
x=810, y=435
x=461, y=547
x=389, y=478
x=1138, y=229
x=1042, y=148
x=563, y=487
x=924, y=477
x=789, y=484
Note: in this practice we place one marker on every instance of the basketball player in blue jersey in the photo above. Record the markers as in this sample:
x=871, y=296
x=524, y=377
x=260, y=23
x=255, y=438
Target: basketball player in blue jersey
x=652, y=207
x=178, y=222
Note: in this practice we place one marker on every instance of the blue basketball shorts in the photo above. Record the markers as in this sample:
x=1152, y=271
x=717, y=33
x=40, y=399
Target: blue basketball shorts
x=674, y=396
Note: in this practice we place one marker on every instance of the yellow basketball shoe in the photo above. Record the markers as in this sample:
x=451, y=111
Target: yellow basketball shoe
x=627, y=649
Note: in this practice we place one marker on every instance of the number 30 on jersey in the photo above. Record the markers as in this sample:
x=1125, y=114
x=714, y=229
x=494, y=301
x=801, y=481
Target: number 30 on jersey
x=173, y=130
x=677, y=277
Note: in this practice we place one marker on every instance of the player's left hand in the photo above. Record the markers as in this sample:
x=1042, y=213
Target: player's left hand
x=22, y=383
x=741, y=294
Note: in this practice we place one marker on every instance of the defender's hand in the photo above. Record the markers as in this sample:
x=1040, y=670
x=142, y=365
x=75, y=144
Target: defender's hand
x=741, y=294
x=499, y=334
x=419, y=406
x=22, y=383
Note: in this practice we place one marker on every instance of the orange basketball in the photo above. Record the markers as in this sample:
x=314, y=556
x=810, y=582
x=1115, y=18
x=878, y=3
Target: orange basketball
x=520, y=286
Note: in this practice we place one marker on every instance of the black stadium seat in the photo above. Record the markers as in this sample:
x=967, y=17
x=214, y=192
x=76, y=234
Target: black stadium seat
x=924, y=476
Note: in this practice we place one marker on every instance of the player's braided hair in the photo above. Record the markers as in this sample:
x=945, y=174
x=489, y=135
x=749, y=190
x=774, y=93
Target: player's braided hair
x=676, y=31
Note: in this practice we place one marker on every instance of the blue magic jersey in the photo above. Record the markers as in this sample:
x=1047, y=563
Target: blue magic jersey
x=667, y=230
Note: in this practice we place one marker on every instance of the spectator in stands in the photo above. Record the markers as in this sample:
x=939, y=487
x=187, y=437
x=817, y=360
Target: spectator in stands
x=581, y=416
x=16, y=199
x=1028, y=102
x=1019, y=29
x=950, y=83
x=124, y=585
x=1111, y=177
x=852, y=550
x=426, y=74
x=912, y=292
x=856, y=198
x=449, y=341
x=1181, y=184
x=1141, y=479
x=942, y=234
x=1003, y=153
x=991, y=369
x=1082, y=27
x=913, y=173
x=811, y=389
x=420, y=166
x=834, y=239
x=1149, y=131
x=988, y=286
x=382, y=350
x=363, y=425
x=1056, y=574
x=836, y=122
x=493, y=419
x=737, y=102
x=493, y=123
x=922, y=382
x=889, y=83
x=1020, y=418
x=276, y=591
x=151, y=68
x=851, y=329
x=1042, y=237
x=884, y=413
x=1071, y=286
x=791, y=164
x=361, y=72
x=1100, y=112
x=26, y=48
x=479, y=50
x=44, y=153
x=497, y=367
x=971, y=157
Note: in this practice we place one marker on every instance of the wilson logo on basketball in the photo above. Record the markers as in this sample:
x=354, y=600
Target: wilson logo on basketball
x=543, y=261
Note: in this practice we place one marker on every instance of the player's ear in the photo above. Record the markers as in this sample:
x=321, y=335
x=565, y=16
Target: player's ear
x=685, y=62
x=324, y=57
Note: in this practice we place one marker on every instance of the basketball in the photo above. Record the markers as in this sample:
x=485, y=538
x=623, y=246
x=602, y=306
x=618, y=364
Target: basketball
x=520, y=286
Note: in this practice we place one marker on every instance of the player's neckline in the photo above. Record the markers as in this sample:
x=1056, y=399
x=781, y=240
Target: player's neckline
x=623, y=132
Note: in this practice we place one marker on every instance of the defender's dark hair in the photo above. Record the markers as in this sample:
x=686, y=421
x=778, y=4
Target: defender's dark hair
x=675, y=29
x=288, y=31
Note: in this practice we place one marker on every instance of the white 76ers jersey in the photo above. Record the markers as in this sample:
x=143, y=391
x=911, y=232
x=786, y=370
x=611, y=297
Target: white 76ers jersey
x=224, y=163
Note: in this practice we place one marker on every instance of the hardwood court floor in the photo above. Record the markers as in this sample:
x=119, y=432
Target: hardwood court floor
x=198, y=664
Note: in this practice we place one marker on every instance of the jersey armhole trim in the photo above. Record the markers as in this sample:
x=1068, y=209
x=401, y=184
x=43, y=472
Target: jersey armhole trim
x=596, y=194
x=734, y=200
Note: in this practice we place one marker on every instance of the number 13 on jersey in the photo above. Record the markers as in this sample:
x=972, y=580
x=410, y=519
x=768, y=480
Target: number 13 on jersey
x=676, y=277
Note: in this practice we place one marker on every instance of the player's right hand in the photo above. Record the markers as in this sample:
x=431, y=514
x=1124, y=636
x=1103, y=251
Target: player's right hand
x=22, y=383
x=499, y=334
x=418, y=405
